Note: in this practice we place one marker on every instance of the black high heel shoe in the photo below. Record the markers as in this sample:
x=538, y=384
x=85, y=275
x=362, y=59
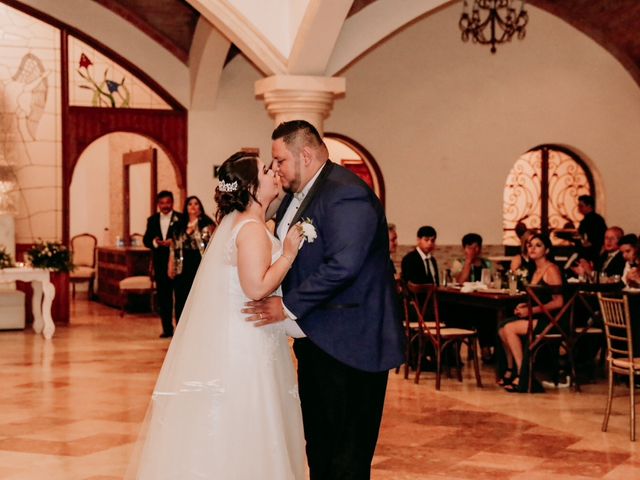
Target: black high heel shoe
x=513, y=387
x=507, y=379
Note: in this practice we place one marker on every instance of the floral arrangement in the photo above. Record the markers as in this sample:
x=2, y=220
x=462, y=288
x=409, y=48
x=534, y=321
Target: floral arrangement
x=5, y=259
x=51, y=255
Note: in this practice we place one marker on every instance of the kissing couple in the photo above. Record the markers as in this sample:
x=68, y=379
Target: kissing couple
x=227, y=404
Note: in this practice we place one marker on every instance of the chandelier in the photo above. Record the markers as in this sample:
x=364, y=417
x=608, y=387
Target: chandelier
x=492, y=22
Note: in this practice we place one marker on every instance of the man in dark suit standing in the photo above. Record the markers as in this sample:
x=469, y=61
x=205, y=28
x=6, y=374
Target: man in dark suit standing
x=592, y=228
x=419, y=265
x=341, y=293
x=157, y=237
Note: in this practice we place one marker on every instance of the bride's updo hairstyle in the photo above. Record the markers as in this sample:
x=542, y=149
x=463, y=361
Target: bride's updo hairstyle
x=238, y=185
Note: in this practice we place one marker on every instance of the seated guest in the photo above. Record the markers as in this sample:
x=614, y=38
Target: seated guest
x=469, y=268
x=629, y=248
x=419, y=265
x=591, y=229
x=512, y=329
x=610, y=261
x=522, y=261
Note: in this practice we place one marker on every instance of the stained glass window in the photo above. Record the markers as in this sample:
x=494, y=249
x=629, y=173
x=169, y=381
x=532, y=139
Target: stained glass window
x=542, y=191
x=98, y=81
x=30, y=146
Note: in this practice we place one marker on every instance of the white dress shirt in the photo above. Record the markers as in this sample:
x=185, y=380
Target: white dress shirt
x=165, y=221
x=291, y=326
x=427, y=260
x=294, y=206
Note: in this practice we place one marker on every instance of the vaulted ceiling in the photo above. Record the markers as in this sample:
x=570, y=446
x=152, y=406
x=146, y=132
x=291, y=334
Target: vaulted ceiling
x=613, y=24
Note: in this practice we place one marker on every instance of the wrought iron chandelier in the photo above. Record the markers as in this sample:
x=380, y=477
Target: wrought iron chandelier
x=493, y=22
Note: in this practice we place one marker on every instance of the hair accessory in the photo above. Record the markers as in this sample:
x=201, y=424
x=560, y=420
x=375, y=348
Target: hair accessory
x=228, y=187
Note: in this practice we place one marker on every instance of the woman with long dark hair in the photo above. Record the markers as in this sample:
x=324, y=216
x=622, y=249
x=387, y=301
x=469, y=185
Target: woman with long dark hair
x=514, y=328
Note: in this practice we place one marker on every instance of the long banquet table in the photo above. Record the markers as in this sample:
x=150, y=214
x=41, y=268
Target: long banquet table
x=498, y=301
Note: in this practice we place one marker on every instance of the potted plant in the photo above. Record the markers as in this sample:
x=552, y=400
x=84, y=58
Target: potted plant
x=6, y=261
x=55, y=257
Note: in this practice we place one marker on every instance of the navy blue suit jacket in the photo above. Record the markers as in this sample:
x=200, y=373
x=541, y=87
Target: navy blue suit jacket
x=341, y=286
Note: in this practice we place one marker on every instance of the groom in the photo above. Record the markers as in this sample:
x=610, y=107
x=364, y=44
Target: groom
x=340, y=291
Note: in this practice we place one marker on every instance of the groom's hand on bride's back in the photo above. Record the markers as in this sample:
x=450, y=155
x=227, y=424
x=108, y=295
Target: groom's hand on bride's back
x=265, y=312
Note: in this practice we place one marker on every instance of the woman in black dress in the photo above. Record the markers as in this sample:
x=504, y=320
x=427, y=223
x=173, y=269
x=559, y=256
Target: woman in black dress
x=190, y=239
x=511, y=331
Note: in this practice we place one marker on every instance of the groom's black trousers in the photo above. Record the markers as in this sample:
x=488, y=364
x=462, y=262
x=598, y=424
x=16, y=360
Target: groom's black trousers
x=341, y=410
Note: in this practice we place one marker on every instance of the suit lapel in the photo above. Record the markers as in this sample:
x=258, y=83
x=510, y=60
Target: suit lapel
x=281, y=211
x=317, y=186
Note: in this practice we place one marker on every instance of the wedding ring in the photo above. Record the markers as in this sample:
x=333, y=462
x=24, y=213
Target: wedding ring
x=260, y=315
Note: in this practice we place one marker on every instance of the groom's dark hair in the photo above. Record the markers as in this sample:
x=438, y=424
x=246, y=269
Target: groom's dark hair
x=290, y=131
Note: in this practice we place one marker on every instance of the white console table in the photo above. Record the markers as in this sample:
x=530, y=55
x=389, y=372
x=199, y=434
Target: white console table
x=43, y=294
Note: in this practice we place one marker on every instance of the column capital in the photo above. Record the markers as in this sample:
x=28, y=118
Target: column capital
x=300, y=97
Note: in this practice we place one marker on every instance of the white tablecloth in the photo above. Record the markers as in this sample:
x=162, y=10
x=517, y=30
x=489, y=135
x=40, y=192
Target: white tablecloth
x=43, y=294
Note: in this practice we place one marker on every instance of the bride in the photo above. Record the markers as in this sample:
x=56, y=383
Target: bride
x=226, y=403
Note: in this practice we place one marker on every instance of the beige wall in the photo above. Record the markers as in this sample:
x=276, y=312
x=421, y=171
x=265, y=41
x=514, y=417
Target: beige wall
x=446, y=120
x=449, y=119
x=239, y=120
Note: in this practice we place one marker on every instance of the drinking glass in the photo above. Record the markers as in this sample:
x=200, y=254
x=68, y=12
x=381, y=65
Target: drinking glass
x=513, y=283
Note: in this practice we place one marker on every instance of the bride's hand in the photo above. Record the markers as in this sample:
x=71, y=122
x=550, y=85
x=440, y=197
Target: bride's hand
x=292, y=242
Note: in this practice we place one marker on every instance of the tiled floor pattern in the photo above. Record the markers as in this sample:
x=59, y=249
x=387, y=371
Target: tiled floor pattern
x=70, y=409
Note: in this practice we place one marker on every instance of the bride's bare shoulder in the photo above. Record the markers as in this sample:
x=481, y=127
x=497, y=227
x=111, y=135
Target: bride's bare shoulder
x=250, y=230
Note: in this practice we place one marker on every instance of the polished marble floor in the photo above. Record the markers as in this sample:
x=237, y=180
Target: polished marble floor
x=70, y=409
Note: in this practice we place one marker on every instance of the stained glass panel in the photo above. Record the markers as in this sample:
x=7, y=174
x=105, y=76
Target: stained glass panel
x=98, y=81
x=30, y=130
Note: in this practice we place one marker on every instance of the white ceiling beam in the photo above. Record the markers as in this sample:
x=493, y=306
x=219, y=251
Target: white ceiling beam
x=235, y=26
x=373, y=24
x=209, y=49
x=316, y=36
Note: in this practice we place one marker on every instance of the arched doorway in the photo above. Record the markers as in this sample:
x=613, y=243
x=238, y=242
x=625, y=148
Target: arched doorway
x=96, y=193
x=353, y=156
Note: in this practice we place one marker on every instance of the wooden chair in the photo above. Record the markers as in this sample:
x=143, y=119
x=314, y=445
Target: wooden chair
x=561, y=330
x=554, y=333
x=137, y=285
x=422, y=300
x=620, y=359
x=586, y=321
x=410, y=326
x=83, y=248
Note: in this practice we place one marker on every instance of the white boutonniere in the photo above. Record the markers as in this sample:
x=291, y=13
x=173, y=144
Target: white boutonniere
x=174, y=219
x=309, y=233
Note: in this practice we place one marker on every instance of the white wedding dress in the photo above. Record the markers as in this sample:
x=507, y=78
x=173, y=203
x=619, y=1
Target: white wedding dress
x=226, y=403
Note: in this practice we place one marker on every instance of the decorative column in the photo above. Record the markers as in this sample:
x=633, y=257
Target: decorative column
x=296, y=97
